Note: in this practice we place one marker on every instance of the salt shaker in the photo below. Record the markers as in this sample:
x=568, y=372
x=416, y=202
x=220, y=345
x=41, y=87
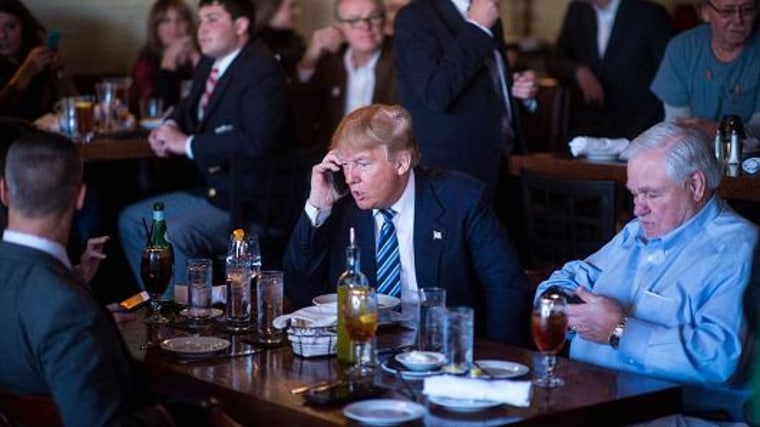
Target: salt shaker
x=734, y=148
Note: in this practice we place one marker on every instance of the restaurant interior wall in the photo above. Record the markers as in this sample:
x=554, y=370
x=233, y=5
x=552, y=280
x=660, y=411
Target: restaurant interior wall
x=104, y=36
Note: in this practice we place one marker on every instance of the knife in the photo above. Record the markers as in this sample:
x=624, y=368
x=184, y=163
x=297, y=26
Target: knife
x=246, y=352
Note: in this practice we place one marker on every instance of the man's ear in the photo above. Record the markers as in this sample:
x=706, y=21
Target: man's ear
x=4, y=191
x=403, y=162
x=241, y=26
x=697, y=185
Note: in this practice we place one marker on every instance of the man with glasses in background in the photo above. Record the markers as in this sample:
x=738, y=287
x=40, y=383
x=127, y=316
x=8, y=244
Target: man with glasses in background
x=714, y=69
x=346, y=66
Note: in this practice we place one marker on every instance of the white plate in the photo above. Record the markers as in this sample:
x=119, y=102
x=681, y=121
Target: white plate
x=151, y=124
x=381, y=412
x=194, y=346
x=384, y=302
x=215, y=312
x=420, y=360
x=390, y=366
x=502, y=369
x=463, y=405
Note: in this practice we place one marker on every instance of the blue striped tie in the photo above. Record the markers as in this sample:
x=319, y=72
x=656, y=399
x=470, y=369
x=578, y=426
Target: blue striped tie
x=388, y=260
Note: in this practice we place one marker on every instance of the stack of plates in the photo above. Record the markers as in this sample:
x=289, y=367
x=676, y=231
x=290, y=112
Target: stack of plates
x=312, y=342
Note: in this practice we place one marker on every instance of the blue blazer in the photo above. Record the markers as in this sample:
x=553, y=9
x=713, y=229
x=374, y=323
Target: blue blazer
x=459, y=245
x=444, y=82
x=244, y=122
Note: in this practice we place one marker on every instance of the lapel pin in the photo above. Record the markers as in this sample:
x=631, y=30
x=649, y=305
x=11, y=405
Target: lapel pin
x=437, y=235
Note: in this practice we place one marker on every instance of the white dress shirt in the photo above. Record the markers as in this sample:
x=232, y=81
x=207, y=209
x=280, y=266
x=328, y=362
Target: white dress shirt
x=605, y=19
x=360, y=82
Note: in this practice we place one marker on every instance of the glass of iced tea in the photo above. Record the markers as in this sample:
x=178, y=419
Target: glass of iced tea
x=360, y=314
x=85, y=114
x=549, y=327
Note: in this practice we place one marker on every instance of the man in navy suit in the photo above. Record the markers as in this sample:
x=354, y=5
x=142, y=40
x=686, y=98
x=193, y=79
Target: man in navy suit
x=454, y=79
x=609, y=58
x=234, y=116
x=447, y=233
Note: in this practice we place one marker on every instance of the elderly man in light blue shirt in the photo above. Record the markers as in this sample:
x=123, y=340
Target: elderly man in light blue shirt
x=664, y=296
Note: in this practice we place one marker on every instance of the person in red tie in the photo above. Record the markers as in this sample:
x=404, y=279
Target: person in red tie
x=233, y=114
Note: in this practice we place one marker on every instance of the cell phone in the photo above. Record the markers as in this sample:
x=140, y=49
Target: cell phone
x=135, y=301
x=569, y=297
x=338, y=182
x=341, y=392
x=52, y=39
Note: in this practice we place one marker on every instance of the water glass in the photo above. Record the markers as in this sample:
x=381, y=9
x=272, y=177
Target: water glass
x=199, y=274
x=458, y=344
x=432, y=319
x=151, y=108
x=269, y=289
x=238, y=309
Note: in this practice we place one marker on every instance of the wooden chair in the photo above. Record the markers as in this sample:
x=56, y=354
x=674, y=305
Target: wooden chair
x=565, y=219
x=29, y=411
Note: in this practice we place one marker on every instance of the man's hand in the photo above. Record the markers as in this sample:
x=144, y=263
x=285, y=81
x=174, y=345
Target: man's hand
x=524, y=85
x=322, y=193
x=484, y=12
x=590, y=86
x=91, y=258
x=166, y=140
x=323, y=40
x=36, y=61
x=596, y=319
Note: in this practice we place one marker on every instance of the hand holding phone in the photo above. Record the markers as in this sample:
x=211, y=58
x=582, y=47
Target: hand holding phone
x=338, y=182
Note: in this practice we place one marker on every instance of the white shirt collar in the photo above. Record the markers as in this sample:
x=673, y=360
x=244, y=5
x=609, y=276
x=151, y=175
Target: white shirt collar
x=462, y=6
x=405, y=203
x=50, y=247
x=224, y=62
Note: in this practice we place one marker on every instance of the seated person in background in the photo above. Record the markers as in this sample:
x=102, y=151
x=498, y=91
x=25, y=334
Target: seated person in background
x=235, y=114
x=714, y=69
x=67, y=347
x=275, y=26
x=609, y=59
x=664, y=296
x=346, y=66
x=447, y=232
x=31, y=74
x=169, y=56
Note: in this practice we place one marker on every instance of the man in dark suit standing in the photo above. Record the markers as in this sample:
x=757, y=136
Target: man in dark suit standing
x=347, y=65
x=235, y=114
x=447, y=234
x=455, y=81
x=608, y=51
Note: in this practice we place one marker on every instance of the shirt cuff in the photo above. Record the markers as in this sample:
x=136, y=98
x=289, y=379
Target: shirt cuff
x=317, y=216
x=189, y=147
x=486, y=30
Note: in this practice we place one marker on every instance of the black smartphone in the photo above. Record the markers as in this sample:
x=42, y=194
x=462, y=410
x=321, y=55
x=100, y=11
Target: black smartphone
x=52, y=39
x=135, y=301
x=341, y=392
x=338, y=182
x=569, y=297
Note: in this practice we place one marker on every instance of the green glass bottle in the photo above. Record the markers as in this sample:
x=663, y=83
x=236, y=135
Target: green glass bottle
x=158, y=237
x=350, y=278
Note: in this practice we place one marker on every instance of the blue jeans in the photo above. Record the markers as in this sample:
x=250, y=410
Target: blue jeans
x=195, y=227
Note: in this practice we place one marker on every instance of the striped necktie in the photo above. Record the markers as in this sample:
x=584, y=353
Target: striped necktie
x=210, y=85
x=388, y=259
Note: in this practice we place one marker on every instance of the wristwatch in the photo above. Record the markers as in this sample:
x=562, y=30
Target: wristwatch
x=617, y=333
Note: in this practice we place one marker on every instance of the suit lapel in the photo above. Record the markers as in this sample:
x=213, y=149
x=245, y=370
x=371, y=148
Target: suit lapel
x=384, y=74
x=618, y=29
x=429, y=231
x=450, y=15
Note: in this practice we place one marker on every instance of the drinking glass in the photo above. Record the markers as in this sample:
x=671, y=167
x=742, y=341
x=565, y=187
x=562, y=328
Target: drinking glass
x=156, y=273
x=549, y=327
x=360, y=314
x=430, y=333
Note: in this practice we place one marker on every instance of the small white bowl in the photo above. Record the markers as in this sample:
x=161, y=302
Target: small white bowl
x=420, y=360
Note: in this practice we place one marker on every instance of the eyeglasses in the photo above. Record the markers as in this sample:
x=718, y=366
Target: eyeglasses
x=371, y=20
x=730, y=12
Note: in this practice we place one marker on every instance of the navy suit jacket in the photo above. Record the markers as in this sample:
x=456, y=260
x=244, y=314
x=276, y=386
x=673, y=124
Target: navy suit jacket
x=637, y=43
x=244, y=122
x=459, y=245
x=56, y=340
x=447, y=87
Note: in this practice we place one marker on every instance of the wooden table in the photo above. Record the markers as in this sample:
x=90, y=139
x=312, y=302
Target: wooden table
x=735, y=184
x=255, y=390
x=133, y=146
